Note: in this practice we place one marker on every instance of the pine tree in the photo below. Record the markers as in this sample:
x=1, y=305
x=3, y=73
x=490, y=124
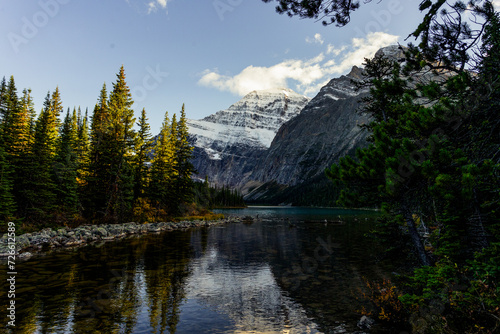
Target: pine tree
x=7, y=204
x=163, y=174
x=65, y=166
x=15, y=122
x=120, y=196
x=29, y=109
x=82, y=148
x=97, y=180
x=14, y=132
x=109, y=186
x=143, y=146
x=3, y=90
x=185, y=167
x=39, y=190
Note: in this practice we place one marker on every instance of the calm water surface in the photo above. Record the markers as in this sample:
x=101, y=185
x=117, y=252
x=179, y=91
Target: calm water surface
x=285, y=272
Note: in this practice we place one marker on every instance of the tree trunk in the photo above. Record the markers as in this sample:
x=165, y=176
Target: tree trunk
x=415, y=238
x=476, y=233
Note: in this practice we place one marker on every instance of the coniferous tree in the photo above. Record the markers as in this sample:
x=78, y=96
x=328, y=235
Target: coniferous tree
x=120, y=194
x=14, y=132
x=82, y=148
x=174, y=189
x=3, y=90
x=29, y=110
x=23, y=162
x=39, y=194
x=143, y=146
x=97, y=180
x=161, y=186
x=15, y=122
x=184, y=166
x=109, y=185
x=7, y=204
x=65, y=165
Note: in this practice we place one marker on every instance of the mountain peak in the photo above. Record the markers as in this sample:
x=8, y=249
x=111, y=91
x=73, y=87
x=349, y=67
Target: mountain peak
x=251, y=122
x=356, y=73
x=391, y=52
x=273, y=91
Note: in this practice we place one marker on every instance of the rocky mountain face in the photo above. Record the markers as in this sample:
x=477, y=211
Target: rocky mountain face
x=264, y=146
x=326, y=130
x=228, y=144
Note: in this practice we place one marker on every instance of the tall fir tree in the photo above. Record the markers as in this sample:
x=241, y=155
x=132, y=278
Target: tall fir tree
x=39, y=192
x=143, y=146
x=7, y=204
x=185, y=168
x=65, y=166
x=120, y=194
x=83, y=148
x=97, y=180
x=109, y=185
x=3, y=90
x=28, y=108
x=163, y=170
x=16, y=123
x=26, y=162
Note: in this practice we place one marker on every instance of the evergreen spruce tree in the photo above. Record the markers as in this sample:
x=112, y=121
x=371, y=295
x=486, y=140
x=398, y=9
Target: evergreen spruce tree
x=7, y=204
x=120, y=195
x=22, y=125
x=97, y=181
x=3, y=90
x=29, y=109
x=14, y=131
x=39, y=191
x=163, y=171
x=82, y=148
x=184, y=166
x=109, y=185
x=143, y=146
x=65, y=166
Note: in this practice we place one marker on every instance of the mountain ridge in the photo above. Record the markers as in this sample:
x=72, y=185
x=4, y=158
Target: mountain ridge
x=228, y=142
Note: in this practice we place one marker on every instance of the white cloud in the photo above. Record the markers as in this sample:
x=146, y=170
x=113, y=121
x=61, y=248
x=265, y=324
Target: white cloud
x=331, y=50
x=304, y=76
x=155, y=4
x=316, y=39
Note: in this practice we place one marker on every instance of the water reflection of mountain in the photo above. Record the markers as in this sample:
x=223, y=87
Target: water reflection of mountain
x=248, y=295
x=307, y=273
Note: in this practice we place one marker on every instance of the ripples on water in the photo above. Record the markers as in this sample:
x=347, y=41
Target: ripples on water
x=286, y=272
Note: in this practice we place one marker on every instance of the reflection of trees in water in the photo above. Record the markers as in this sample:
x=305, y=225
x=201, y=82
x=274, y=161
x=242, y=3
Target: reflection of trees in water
x=167, y=262
x=105, y=289
x=264, y=275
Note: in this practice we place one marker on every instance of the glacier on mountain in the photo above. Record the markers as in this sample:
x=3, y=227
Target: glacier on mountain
x=251, y=122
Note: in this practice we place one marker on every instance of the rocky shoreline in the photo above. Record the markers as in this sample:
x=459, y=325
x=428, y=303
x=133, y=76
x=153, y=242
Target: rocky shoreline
x=60, y=238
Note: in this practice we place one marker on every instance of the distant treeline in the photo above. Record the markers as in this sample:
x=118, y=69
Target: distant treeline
x=89, y=169
x=317, y=191
x=214, y=197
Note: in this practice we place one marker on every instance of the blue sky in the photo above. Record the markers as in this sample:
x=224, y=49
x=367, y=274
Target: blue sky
x=206, y=53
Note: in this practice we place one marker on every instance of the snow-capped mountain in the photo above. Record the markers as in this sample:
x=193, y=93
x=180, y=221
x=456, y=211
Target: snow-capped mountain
x=228, y=142
x=326, y=130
